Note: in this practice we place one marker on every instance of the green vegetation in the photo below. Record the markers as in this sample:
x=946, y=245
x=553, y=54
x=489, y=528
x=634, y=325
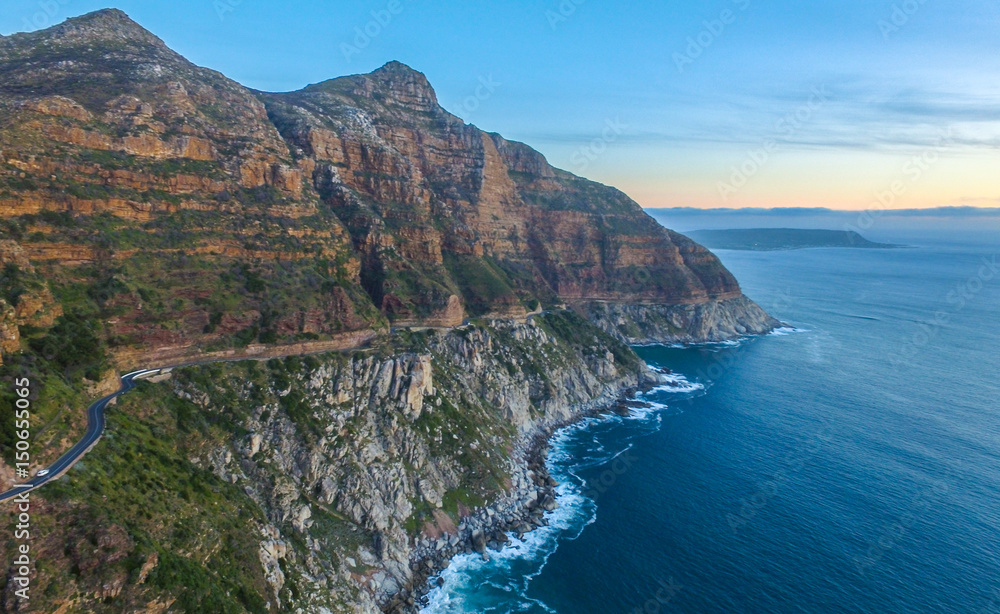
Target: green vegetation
x=14, y=283
x=59, y=361
x=170, y=286
x=484, y=286
x=574, y=330
x=73, y=346
x=157, y=167
x=406, y=290
x=168, y=506
x=55, y=406
x=152, y=481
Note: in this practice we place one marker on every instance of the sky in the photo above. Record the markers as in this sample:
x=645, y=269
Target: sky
x=847, y=104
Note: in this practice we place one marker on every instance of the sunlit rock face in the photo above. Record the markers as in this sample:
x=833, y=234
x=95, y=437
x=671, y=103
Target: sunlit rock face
x=420, y=218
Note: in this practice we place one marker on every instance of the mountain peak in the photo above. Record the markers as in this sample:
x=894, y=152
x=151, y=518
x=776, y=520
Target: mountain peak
x=105, y=15
x=405, y=85
x=396, y=69
x=394, y=82
x=103, y=25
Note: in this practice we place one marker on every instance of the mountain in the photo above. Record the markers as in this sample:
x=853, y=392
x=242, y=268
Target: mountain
x=433, y=300
x=212, y=216
x=768, y=239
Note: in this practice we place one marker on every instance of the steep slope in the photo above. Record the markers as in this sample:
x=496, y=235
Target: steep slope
x=322, y=484
x=153, y=212
x=341, y=207
x=433, y=202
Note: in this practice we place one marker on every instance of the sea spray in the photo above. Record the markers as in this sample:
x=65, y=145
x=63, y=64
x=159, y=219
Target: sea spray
x=499, y=581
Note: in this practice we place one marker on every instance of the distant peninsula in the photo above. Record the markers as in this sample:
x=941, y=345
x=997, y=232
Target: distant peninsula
x=771, y=239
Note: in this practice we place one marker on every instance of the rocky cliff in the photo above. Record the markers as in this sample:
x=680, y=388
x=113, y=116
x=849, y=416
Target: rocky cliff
x=154, y=212
x=330, y=483
x=192, y=214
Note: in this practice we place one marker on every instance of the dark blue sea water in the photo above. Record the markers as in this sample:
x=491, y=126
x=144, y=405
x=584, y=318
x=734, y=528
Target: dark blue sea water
x=851, y=465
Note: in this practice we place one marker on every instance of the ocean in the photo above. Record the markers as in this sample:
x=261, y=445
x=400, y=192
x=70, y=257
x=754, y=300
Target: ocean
x=847, y=463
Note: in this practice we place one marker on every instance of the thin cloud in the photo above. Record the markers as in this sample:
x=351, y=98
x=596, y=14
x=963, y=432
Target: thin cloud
x=857, y=114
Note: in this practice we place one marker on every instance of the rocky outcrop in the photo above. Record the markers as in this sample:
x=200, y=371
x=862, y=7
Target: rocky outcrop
x=693, y=323
x=429, y=453
x=380, y=140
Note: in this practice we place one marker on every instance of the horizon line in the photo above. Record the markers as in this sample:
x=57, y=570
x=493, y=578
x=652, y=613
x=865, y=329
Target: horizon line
x=945, y=209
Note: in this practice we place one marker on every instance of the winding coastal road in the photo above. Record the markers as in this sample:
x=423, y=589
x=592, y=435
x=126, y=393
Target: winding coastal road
x=95, y=413
x=95, y=428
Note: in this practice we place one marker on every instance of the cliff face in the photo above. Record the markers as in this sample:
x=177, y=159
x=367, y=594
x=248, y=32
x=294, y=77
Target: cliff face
x=319, y=484
x=348, y=205
x=710, y=321
x=438, y=202
x=153, y=212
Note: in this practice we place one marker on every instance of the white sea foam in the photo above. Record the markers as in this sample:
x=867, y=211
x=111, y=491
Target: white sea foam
x=786, y=330
x=721, y=344
x=674, y=383
x=644, y=414
x=684, y=346
x=471, y=584
x=468, y=571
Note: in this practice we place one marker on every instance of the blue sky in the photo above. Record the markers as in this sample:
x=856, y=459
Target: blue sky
x=847, y=104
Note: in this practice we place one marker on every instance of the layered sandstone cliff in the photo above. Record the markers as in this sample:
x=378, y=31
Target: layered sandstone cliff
x=430, y=197
x=352, y=204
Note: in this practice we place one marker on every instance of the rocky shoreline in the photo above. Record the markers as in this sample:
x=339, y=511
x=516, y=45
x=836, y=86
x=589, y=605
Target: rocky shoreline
x=521, y=511
x=710, y=321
